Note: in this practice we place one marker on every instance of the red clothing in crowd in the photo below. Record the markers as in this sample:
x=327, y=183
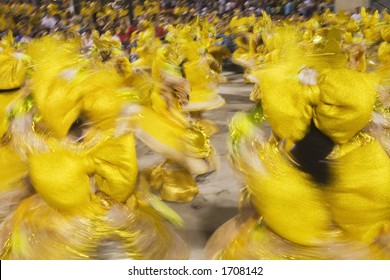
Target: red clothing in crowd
x=160, y=31
x=125, y=36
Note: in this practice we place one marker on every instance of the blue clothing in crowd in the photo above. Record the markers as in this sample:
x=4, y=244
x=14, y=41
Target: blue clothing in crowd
x=289, y=8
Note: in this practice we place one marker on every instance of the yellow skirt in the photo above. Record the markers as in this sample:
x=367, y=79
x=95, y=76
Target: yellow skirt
x=294, y=218
x=13, y=181
x=103, y=229
x=252, y=239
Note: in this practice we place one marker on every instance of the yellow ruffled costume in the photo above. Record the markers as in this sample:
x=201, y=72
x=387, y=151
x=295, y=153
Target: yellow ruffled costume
x=13, y=170
x=83, y=170
x=104, y=220
x=286, y=211
x=13, y=184
x=13, y=73
x=203, y=81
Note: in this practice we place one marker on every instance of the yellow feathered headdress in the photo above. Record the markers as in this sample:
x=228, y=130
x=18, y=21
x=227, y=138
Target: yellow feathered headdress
x=105, y=41
x=385, y=32
x=384, y=48
x=7, y=42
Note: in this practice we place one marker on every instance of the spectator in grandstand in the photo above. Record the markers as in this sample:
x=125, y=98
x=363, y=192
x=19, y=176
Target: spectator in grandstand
x=289, y=8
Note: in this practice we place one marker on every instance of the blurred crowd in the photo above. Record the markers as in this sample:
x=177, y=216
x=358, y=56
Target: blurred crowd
x=71, y=18
x=29, y=19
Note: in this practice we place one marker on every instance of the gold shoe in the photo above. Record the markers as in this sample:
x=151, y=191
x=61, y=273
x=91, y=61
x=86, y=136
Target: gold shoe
x=172, y=182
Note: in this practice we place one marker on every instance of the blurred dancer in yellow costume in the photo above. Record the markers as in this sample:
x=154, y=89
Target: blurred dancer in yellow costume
x=156, y=116
x=13, y=170
x=253, y=44
x=184, y=81
x=200, y=68
x=147, y=45
x=370, y=27
x=203, y=80
x=247, y=39
x=317, y=188
x=107, y=53
x=245, y=54
x=155, y=95
x=159, y=121
x=13, y=75
x=207, y=35
x=87, y=203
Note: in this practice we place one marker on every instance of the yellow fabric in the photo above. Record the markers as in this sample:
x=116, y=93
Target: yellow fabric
x=170, y=91
x=61, y=176
x=101, y=99
x=121, y=64
x=6, y=98
x=174, y=183
x=105, y=41
x=203, y=81
x=38, y=231
x=219, y=53
x=165, y=130
x=384, y=52
x=116, y=167
x=64, y=90
x=54, y=79
x=340, y=109
x=12, y=71
x=385, y=32
x=138, y=88
x=12, y=169
x=359, y=197
x=346, y=102
x=285, y=107
x=208, y=126
x=179, y=187
x=353, y=26
x=61, y=192
x=305, y=221
x=147, y=45
x=58, y=102
x=191, y=50
x=161, y=64
x=173, y=140
x=254, y=240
